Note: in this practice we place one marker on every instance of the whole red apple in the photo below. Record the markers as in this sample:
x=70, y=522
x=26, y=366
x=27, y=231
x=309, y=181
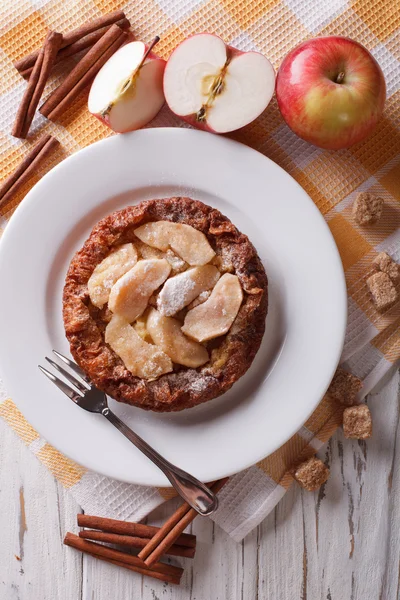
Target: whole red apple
x=330, y=91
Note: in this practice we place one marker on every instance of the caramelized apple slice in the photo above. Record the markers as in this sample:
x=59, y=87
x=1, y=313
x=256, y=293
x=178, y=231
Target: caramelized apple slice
x=200, y=299
x=147, y=251
x=140, y=327
x=140, y=358
x=109, y=271
x=180, y=290
x=177, y=264
x=166, y=333
x=129, y=296
x=215, y=316
x=191, y=244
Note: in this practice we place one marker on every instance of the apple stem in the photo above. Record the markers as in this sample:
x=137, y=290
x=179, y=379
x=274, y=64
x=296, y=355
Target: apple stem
x=128, y=82
x=149, y=49
x=340, y=77
x=201, y=114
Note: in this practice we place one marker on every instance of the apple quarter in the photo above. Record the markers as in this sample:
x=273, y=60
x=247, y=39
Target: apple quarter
x=126, y=95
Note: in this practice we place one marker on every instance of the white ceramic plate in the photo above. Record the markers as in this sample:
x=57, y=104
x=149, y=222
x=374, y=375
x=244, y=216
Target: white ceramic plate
x=305, y=324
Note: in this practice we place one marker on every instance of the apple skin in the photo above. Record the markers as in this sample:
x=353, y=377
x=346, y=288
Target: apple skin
x=328, y=114
x=191, y=119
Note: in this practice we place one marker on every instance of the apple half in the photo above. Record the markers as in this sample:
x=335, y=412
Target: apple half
x=216, y=87
x=127, y=92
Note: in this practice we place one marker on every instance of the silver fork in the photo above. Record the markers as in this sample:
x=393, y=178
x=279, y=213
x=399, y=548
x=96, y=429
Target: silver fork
x=87, y=396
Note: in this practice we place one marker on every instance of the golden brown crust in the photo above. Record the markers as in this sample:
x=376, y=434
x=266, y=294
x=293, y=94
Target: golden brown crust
x=231, y=355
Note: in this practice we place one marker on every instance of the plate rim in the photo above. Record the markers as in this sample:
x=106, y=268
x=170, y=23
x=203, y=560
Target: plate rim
x=29, y=198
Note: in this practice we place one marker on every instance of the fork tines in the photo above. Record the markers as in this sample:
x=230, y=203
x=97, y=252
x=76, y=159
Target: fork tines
x=81, y=383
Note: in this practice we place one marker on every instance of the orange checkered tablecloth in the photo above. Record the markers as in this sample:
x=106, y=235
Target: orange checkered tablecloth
x=332, y=179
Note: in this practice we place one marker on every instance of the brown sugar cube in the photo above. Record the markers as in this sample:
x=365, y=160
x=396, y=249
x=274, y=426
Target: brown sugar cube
x=344, y=387
x=367, y=208
x=311, y=474
x=384, y=263
x=382, y=290
x=357, y=422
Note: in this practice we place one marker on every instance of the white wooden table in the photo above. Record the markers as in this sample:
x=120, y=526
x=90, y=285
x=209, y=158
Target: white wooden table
x=342, y=543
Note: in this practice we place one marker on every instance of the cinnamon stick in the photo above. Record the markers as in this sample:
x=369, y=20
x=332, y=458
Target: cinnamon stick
x=174, y=519
x=37, y=81
x=168, y=534
x=168, y=573
x=80, y=45
x=128, y=528
x=27, y=167
x=83, y=73
x=154, y=574
x=133, y=542
x=74, y=36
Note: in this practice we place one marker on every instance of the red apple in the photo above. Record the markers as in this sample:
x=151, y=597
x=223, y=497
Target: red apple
x=330, y=91
x=216, y=87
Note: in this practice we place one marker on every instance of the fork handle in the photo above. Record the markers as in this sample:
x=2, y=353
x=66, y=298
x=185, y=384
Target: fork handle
x=196, y=494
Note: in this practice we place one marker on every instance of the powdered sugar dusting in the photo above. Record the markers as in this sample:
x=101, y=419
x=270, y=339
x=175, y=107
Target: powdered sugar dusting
x=149, y=265
x=173, y=294
x=177, y=263
x=109, y=281
x=200, y=384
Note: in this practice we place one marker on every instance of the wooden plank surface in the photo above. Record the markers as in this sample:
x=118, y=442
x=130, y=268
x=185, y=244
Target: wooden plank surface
x=341, y=543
